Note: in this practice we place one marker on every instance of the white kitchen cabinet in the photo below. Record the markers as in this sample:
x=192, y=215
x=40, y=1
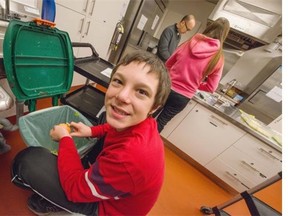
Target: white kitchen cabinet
x=101, y=19
x=232, y=177
x=69, y=21
x=269, y=159
x=171, y=125
x=203, y=135
x=89, y=21
x=248, y=166
x=251, y=160
x=80, y=6
x=247, y=163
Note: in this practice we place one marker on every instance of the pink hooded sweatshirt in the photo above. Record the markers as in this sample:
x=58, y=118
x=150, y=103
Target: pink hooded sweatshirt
x=188, y=62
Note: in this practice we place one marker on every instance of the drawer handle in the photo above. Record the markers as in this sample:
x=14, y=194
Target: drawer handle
x=235, y=178
x=86, y=5
x=213, y=124
x=253, y=168
x=269, y=154
x=92, y=8
x=88, y=27
x=81, y=27
x=219, y=120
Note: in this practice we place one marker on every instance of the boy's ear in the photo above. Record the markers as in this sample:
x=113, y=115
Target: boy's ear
x=154, y=110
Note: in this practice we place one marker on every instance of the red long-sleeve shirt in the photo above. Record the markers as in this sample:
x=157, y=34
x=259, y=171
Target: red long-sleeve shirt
x=126, y=177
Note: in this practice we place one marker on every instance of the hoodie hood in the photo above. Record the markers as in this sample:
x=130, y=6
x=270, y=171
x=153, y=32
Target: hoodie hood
x=203, y=47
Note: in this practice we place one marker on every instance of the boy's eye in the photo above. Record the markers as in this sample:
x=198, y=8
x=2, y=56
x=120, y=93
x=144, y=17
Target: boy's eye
x=116, y=81
x=143, y=92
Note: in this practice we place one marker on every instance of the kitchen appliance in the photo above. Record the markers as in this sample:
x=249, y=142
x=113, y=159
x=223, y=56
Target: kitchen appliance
x=265, y=93
x=261, y=20
x=139, y=25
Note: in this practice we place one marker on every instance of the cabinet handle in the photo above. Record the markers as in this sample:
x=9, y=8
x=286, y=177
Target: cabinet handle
x=213, y=124
x=219, y=120
x=92, y=7
x=269, y=154
x=253, y=168
x=81, y=27
x=235, y=178
x=88, y=27
x=86, y=6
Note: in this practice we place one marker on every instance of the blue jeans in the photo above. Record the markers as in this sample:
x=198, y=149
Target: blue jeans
x=174, y=105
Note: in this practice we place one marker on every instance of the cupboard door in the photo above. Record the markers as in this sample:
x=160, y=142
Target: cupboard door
x=229, y=175
x=80, y=6
x=176, y=120
x=70, y=21
x=269, y=158
x=100, y=23
x=203, y=135
x=247, y=166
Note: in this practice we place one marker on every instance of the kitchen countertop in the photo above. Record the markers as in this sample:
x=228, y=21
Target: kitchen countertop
x=235, y=118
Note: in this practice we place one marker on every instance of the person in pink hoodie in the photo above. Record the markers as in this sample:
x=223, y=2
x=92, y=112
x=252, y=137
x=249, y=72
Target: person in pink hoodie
x=196, y=64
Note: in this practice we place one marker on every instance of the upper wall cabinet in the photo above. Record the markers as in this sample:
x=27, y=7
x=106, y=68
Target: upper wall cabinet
x=90, y=21
x=80, y=6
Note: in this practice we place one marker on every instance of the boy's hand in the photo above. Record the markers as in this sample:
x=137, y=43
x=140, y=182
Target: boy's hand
x=59, y=131
x=80, y=130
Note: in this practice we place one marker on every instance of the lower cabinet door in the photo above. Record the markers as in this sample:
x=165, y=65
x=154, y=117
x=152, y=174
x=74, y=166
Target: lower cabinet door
x=177, y=120
x=269, y=159
x=203, y=135
x=249, y=167
x=229, y=175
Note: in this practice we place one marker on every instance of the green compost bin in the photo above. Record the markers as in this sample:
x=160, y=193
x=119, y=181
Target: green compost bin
x=35, y=127
x=38, y=60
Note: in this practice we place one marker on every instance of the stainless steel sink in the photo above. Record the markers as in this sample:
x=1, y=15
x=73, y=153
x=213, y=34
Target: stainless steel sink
x=219, y=102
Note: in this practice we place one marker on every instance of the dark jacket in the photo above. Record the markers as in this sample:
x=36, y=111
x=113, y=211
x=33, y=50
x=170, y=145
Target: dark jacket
x=168, y=42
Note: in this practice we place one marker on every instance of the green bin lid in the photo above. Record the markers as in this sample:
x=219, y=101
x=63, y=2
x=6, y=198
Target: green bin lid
x=38, y=60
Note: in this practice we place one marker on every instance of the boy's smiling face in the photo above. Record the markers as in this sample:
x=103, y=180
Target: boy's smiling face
x=130, y=95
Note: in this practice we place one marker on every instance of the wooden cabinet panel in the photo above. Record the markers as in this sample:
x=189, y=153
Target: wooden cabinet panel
x=249, y=167
x=203, y=135
x=69, y=21
x=89, y=21
x=80, y=6
x=269, y=158
x=177, y=120
x=231, y=176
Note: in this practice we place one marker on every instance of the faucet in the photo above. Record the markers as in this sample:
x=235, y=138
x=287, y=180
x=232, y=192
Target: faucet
x=228, y=86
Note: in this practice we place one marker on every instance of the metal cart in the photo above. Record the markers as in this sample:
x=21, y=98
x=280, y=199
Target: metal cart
x=256, y=206
x=89, y=100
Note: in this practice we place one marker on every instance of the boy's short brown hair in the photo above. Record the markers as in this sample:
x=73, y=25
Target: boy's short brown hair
x=157, y=67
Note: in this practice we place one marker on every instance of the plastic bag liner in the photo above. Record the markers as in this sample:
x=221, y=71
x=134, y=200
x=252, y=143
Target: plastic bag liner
x=35, y=128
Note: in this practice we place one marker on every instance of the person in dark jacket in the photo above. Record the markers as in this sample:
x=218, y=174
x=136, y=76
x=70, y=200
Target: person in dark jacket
x=171, y=36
